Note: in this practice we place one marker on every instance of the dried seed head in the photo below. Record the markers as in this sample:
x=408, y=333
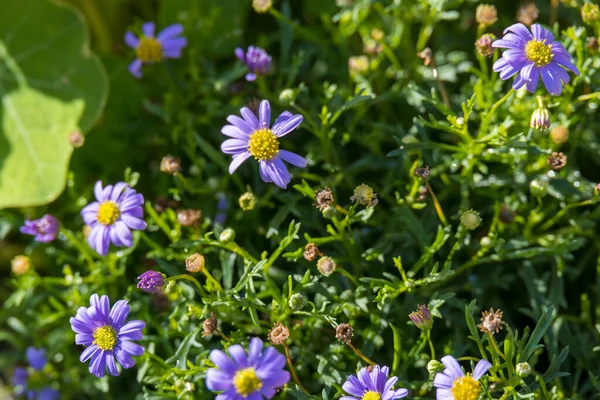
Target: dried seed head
x=189, y=217
x=261, y=6
x=590, y=13
x=76, y=139
x=326, y=265
x=422, y=317
x=324, y=198
x=484, y=44
x=422, y=172
x=426, y=55
x=311, y=251
x=557, y=161
x=247, y=201
x=559, y=134
x=194, y=263
x=209, y=325
x=491, y=321
x=528, y=14
x=170, y=164
x=486, y=15
x=20, y=265
x=297, y=302
x=364, y=194
x=358, y=64
x=470, y=219
x=279, y=334
x=344, y=333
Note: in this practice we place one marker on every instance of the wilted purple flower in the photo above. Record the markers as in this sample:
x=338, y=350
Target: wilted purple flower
x=151, y=282
x=117, y=210
x=254, y=375
x=106, y=335
x=373, y=385
x=150, y=49
x=253, y=137
x=256, y=59
x=533, y=54
x=44, y=229
x=452, y=383
x=37, y=360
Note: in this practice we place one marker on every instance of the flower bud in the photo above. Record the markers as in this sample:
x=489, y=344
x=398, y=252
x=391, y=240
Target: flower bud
x=297, y=302
x=76, y=139
x=20, y=265
x=151, y=282
x=358, y=64
x=559, y=135
x=422, y=318
x=422, y=172
x=486, y=15
x=528, y=14
x=287, y=96
x=523, y=369
x=470, y=219
x=592, y=44
x=434, y=366
x=247, y=201
x=227, y=236
x=326, y=265
x=484, y=44
x=590, y=13
x=170, y=164
x=329, y=212
x=194, y=263
x=261, y=6
x=540, y=119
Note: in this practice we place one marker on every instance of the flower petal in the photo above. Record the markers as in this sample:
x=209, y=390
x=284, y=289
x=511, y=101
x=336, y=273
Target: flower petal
x=250, y=118
x=234, y=146
x=148, y=29
x=131, y=40
x=288, y=125
x=238, y=355
x=135, y=68
x=234, y=132
x=521, y=30
x=264, y=114
x=170, y=31
x=452, y=366
x=293, y=158
x=238, y=159
x=481, y=368
x=241, y=124
x=217, y=379
x=221, y=360
x=119, y=312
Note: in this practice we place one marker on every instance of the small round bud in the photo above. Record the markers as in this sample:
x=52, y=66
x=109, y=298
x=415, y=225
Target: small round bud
x=194, y=263
x=279, y=334
x=538, y=187
x=247, y=201
x=523, y=369
x=326, y=265
x=76, y=139
x=323, y=198
x=261, y=6
x=209, y=325
x=297, y=302
x=485, y=241
x=484, y=44
x=329, y=212
x=358, y=64
x=170, y=164
x=470, y=219
x=559, y=135
x=557, y=161
x=377, y=34
x=528, y=14
x=20, y=265
x=344, y=333
x=486, y=15
x=590, y=13
x=311, y=251
x=287, y=96
x=228, y=235
x=364, y=194
x=540, y=119
x=434, y=366
x=189, y=217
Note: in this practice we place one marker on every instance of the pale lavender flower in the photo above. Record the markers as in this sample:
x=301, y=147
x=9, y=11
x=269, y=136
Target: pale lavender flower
x=150, y=49
x=453, y=384
x=44, y=229
x=106, y=335
x=116, y=212
x=256, y=59
x=373, y=385
x=252, y=136
x=37, y=360
x=531, y=55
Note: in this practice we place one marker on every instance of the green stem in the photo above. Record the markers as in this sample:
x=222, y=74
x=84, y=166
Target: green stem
x=212, y=279
x=292, y=369
x=488, y=117
x=347, y=275
x=431, y=348
x=191, y=279
x=436, y=204
x=159, y=221
x=360, y=354
x=494, y=345
x=83, y=249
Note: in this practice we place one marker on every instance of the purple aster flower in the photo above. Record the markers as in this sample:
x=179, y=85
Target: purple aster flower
x=116, y=212
x=106, y=335
x=44, y=229
x=150, y=49
x=253, y=376
x=256, y=59
x=453, y=384
x=532, y=54
x=373, y=385
x=21, y=377
x=253, y=136
x=151, y=282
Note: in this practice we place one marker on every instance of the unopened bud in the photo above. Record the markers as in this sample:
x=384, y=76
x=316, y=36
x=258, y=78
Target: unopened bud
x=20, y=265
x=434, y=366
x=194, y=263
x=364, y=194
x=590, y=13
x=470, y=219
x=326, y=265
x=523, y=369
x=287, y=96
x=484, y=44
x=540, y=119
x=261, y=6
x=228, y=235
x=358, y=64
x=422, y=317
x=209, y=325
x=486, y=15
x=247, y=201
x=528, y=14
x=297, y=302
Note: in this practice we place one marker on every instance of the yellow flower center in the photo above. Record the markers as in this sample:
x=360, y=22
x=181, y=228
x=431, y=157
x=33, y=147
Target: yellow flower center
x=149, y=50
x=539, y=52
x=370, y=395
x=465, y=388
x=108, y=213
x=263, y=144
x=105, y=337
x=246, y=382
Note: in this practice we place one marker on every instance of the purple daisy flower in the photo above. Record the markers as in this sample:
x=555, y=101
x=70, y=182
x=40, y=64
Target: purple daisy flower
x=256, y=59
x=116, y=212
x=372, y=386
x=533, y=54
x=151, y=282
x=150, y=49
x=106, y=335
x=453, y=384
x=252, y=376
x=20, y=378
x=44, y=229
x=252, y=136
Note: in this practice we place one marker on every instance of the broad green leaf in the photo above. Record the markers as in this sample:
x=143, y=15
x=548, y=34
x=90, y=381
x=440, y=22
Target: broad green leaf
x=50, y=85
